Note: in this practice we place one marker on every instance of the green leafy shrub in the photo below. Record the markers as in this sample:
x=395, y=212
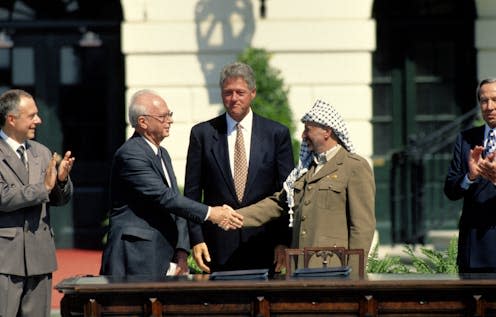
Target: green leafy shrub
x=429, y=262
x=272, y=95
x=435, y=261
x=388, y=264
x=193, y=267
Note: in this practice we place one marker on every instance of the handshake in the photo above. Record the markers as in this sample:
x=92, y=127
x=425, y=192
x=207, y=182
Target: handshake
x=225, y=217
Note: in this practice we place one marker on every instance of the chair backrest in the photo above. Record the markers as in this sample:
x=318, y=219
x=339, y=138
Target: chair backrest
x=326, y=253
x=291, y=255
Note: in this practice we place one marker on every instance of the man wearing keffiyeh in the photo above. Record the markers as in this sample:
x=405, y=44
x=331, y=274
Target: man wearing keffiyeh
x=330, y=195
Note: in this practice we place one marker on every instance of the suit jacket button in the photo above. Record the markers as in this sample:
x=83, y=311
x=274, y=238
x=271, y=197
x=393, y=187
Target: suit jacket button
x=303, y=218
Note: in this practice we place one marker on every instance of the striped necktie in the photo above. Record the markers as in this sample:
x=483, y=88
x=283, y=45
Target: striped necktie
x=21, y=150
x=164, y=168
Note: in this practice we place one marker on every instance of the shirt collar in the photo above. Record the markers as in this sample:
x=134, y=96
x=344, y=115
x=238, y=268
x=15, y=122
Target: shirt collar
x=487, y=130
x=11, y=142
x=153, y=146
x=246, y=123
x=322, y=158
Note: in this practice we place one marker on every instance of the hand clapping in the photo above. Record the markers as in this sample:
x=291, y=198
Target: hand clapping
x=487, y=167
x=58, y=169
x=482, y=167
x=64, y=166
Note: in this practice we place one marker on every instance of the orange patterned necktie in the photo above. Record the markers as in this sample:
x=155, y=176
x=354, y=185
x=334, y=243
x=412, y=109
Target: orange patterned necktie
x=240, y=163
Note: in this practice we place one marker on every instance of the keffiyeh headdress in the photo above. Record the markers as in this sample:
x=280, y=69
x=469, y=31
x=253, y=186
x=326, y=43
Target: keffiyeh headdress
x=324, y=114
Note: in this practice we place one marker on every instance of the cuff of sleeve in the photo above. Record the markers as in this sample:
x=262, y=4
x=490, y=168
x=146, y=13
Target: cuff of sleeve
x=61, y=184
x=466, y=182
x=180, y=253
x=208, y=213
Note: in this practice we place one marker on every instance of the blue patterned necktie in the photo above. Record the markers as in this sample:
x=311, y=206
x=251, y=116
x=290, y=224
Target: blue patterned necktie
x=491, y=142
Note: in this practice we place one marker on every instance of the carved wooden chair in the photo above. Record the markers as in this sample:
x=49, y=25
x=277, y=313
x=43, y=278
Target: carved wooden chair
x=327, y=254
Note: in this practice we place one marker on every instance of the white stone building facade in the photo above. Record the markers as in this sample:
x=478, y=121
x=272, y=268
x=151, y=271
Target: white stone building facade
x=322, y=48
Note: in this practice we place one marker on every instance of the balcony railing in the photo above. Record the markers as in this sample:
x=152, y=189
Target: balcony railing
x=417, y=178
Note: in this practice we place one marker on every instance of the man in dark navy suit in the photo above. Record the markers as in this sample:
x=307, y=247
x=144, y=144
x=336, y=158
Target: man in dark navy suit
x=472, y=176
x=147, y=221
x=210, y=176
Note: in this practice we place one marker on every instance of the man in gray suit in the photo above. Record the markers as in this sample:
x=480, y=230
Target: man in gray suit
x=31, y=179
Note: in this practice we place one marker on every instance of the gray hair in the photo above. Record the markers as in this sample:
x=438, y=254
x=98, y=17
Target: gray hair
x=238, y=69
x=137, y=109
x=9, y=103
x=482, y=83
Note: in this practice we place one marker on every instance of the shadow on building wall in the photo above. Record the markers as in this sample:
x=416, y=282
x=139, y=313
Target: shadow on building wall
x=223, y=28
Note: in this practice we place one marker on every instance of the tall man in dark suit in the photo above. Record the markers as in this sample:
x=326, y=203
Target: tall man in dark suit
x=210, y=175
x=30, y=182
x=471, y=176
x=147, y=225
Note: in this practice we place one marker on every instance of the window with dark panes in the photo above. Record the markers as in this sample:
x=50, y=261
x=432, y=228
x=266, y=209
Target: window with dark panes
x=424, y=78
x=66, y=53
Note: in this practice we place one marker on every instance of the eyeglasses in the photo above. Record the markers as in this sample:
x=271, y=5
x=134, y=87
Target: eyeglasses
x=161, y=117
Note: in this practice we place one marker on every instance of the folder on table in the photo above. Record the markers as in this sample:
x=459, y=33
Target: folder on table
x=257, y=274
x=323, y=271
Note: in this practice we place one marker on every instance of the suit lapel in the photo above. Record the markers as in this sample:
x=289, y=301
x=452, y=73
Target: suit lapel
x=256, y=152
x=477, y=137
x=158, y=164
x=34, y=164
x=14, y=163
x=154, y=158
x=220, y=152
x=168, y=167
x=330, y=167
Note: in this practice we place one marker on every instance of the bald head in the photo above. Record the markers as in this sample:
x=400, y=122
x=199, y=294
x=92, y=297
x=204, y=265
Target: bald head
x=150, y=116
x=142, y=103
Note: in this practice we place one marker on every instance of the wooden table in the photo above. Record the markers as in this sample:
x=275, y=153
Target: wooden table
x=195, y=295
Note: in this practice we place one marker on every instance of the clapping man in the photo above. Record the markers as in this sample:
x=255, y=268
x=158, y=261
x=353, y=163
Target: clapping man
x=31, y=180
x=472, y=177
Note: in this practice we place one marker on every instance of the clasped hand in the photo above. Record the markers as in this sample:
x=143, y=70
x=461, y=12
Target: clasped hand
x=58, y=168
x=225, y=217
x=484, y=167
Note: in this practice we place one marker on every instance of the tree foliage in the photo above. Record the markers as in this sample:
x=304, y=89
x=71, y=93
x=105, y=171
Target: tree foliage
x=272, y=95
